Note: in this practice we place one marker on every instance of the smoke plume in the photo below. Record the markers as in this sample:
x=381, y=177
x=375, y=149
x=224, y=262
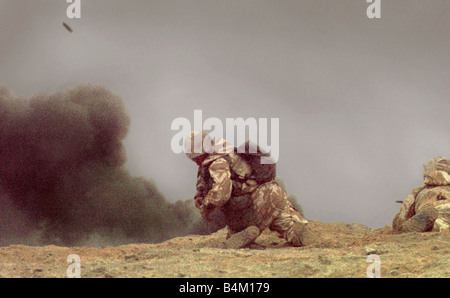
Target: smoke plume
x=63, y=179
x=62, y=174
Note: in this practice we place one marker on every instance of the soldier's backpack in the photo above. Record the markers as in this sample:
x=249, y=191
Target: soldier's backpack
x=253, y=155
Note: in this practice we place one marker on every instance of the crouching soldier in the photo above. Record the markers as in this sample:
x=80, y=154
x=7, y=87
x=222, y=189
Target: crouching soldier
x=427, y=208
x=243, y=190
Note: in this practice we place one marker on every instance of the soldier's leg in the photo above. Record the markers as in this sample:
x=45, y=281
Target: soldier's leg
x=276, y=212
x=423, y=221
x=268, y=202
x=243, y=238
x=291, y=226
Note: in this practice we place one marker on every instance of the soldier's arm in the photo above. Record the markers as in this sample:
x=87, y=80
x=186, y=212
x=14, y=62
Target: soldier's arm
x=200, y=193
x=220, y=191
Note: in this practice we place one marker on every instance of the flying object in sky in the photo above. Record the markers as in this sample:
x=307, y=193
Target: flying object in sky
x=67, y=27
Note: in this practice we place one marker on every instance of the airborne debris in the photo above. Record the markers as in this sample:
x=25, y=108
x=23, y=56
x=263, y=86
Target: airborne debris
x=67, y=27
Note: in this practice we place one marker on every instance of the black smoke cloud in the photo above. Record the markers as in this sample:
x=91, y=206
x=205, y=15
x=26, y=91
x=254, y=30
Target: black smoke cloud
x=63, y=180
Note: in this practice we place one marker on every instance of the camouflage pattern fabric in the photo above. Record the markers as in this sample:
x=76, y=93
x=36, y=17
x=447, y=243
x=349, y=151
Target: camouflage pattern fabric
x=289, y=224
x=434, y=195
x=268, y=207
x=442, y=223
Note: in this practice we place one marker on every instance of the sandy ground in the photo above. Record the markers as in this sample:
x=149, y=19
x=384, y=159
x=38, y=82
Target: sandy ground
x=340, y=250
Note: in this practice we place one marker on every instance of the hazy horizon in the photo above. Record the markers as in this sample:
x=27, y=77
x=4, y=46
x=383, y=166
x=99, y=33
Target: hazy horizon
x=362, y=103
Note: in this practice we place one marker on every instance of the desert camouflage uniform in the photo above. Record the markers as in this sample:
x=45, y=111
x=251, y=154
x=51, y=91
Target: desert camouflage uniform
x=428, y=206
x=270, y=206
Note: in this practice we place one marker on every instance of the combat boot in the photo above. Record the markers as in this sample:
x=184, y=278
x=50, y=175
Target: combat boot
x=243, y=238
x=301, y=235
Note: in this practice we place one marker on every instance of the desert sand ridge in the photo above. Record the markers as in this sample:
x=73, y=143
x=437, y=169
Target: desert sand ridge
x=342, y=252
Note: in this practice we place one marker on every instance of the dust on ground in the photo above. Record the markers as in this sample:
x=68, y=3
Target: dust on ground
x=342, y=251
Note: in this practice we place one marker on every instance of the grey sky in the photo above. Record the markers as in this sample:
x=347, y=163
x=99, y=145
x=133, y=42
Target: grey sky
x=362, y=103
